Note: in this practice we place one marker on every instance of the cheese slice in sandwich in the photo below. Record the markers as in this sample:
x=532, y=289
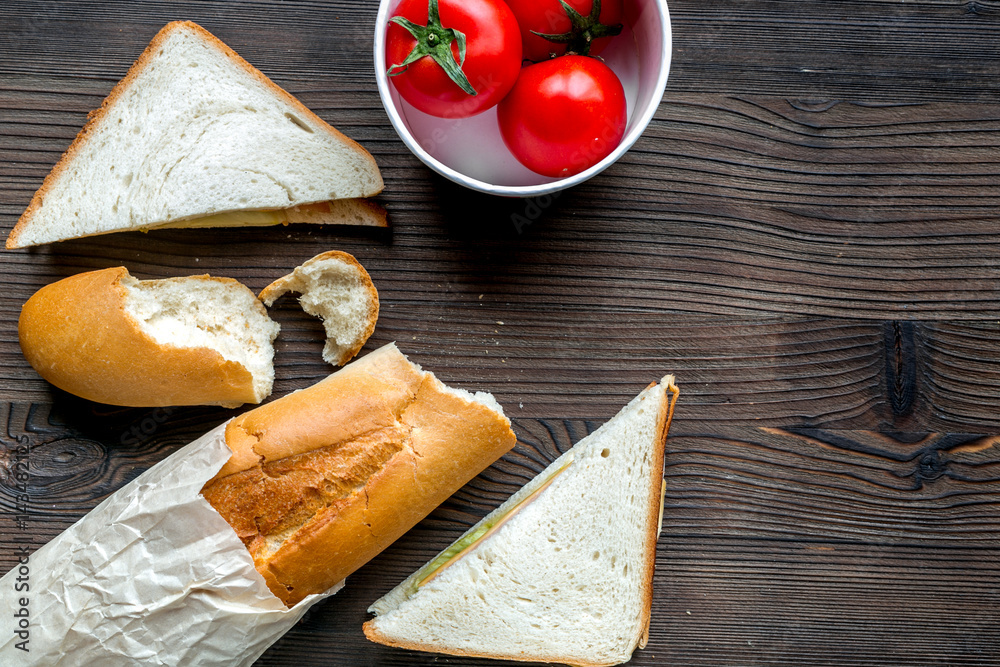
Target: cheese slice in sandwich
x=560, y=572
x=195, y=136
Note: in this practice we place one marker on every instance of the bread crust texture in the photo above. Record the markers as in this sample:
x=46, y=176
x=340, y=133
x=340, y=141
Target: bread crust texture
x=293, y=283
x=663, y=420
x=96, y=117
x=322, y=480
x=77, y=334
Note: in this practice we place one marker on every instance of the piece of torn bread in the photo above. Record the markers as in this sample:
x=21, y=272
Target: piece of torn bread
x=337, y=289
x=195, y=131
x=108, y=337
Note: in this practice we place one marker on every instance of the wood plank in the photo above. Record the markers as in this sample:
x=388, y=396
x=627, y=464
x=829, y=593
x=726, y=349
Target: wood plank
x=779, y=372
x=737, y=207
x=811, y=547
x=874, y=52
x=798, y=484
x=867, y=51
x=769, y=552
x=753, y=602
x=779, y=546
x=733, y=479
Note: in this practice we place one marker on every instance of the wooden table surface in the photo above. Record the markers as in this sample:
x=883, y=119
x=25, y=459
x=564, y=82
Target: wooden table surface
x=807, y=235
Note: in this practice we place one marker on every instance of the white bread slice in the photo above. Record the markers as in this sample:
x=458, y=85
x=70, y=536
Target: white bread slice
x=192, y=130
x=108, y=337
x=337, y=289
x=564, y=571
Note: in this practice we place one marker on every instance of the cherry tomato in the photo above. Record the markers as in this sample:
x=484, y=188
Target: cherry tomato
x=584, y=34
x=563, y=115
x=437, y=29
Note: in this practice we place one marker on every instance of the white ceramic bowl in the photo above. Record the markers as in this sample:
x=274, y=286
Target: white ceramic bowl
x=470, y=151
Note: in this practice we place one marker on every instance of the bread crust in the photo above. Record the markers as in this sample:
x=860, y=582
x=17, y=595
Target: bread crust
x=441, y=441
x=276, y=289
x=351, y=211
x=96, y=117
x=77, y=334
x=663, y=419
x=357, y=399
x=377, y=637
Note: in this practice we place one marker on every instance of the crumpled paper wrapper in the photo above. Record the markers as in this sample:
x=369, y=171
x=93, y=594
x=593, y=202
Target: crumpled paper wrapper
x=152, y=576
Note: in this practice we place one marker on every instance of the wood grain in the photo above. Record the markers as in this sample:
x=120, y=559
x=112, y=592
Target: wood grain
x=778, y=547
x=806, y=235
x=734, y=207
x=815, y=372
x=810, y=547
x=872, y=51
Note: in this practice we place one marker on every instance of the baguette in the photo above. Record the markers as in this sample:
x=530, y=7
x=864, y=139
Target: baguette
x=322, y=480
x=107, y=337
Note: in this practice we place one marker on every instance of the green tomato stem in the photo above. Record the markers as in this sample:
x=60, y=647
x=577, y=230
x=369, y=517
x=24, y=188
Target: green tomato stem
x=583, y=29
x=434, y=40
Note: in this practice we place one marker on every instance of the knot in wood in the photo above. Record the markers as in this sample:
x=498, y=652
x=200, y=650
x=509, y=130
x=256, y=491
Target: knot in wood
x=931, y=466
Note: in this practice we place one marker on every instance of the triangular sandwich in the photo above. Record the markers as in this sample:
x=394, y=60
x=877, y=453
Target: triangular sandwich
x=195, y=136
x=560, y=572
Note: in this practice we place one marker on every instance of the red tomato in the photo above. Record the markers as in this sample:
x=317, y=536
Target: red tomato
x=491, y=64
x=549, y=17
x=563, y=115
